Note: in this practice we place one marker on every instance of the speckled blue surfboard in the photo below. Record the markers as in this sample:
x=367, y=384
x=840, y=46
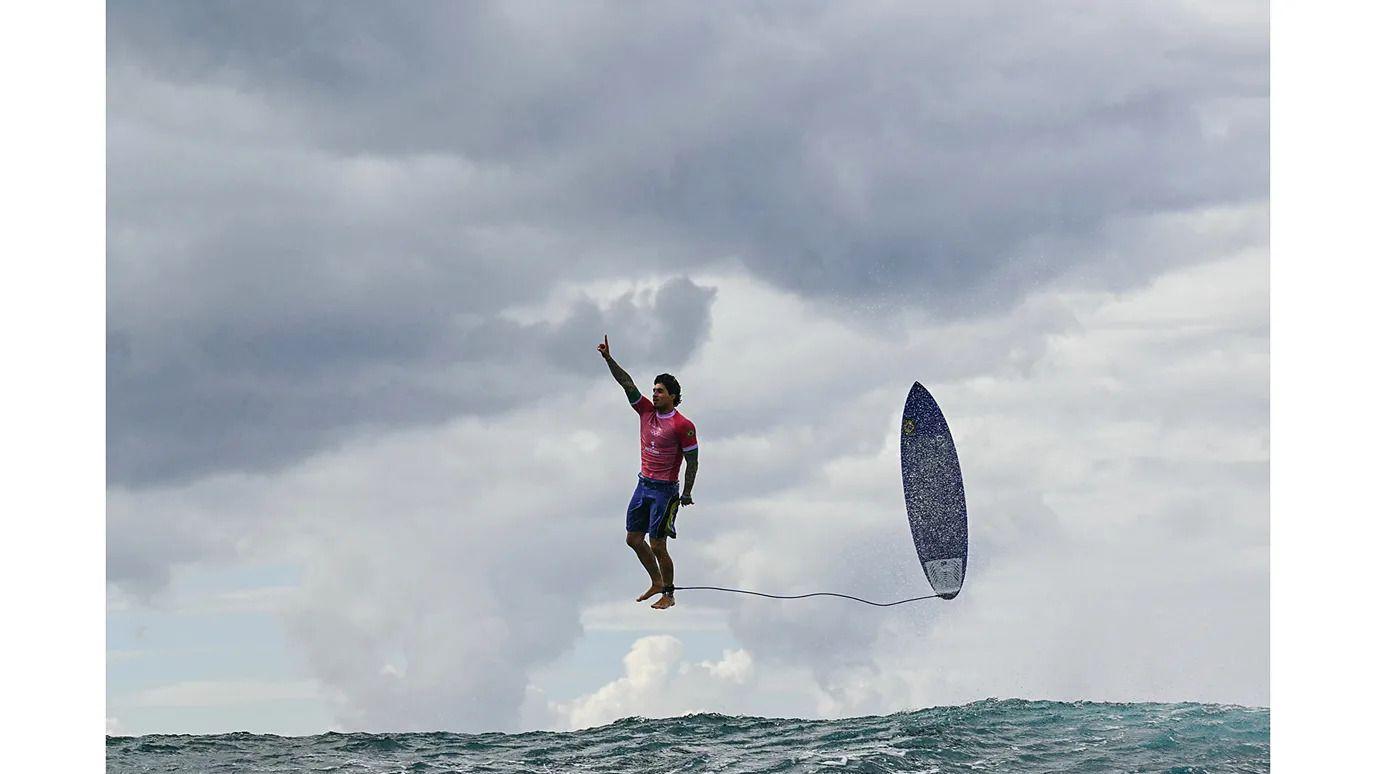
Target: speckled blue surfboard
x=934, y=491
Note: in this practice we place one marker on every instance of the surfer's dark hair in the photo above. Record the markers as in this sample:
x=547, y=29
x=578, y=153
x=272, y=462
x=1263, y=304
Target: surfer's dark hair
x=670, y=384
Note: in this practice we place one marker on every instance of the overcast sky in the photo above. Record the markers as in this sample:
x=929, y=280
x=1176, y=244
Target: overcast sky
x=368, y=472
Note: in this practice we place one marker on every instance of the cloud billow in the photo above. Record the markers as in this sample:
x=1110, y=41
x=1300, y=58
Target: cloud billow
x=311, y=203
x=840, y=150
x=252, y=399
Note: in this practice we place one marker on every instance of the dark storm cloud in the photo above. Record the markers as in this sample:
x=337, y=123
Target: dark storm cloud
x=319, y=211
x=250, y=398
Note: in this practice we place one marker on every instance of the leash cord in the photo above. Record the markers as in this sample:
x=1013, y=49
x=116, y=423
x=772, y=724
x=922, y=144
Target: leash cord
x=802, y=596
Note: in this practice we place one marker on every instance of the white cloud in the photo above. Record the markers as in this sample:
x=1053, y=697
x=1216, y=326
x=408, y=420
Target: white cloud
x=260, y=599
x=617, y=616
x=219, y=693
x=1116, y=463
x=658, y=682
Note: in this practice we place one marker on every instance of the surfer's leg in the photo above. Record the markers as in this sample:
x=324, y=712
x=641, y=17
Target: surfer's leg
x=636, y=540
x=660, y=548
x=637, y=524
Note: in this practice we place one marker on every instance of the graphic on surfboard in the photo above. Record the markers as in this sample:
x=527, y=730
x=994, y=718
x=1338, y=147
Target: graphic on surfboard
x=935, y=492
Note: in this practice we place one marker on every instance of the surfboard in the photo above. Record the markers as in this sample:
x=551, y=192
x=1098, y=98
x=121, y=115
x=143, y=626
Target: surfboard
x=934, y=491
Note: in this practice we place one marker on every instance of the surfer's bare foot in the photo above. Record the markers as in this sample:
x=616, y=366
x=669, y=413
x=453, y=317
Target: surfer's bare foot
x=657, y=588
x=665, y=602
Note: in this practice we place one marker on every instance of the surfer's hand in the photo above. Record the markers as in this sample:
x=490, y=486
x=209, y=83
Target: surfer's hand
x=604, y=348
x=685, y=500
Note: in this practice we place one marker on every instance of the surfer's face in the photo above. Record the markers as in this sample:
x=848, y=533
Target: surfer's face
x=662, y=399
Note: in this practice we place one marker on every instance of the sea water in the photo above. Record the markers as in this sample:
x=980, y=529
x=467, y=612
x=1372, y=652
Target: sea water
x=985, y=736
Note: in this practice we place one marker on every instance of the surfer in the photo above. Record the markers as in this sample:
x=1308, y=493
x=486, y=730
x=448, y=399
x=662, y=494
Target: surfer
x=667, y=438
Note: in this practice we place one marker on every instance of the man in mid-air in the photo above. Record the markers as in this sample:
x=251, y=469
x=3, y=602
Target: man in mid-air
x=667, y=438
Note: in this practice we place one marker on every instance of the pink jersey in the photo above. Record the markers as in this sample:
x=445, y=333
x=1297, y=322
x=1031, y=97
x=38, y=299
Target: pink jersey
x=663, y=440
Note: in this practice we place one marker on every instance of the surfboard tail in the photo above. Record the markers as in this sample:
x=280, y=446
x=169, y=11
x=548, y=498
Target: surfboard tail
x=946, y=576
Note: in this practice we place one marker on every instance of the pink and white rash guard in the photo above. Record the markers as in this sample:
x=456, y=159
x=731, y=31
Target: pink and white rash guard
x=663, y=440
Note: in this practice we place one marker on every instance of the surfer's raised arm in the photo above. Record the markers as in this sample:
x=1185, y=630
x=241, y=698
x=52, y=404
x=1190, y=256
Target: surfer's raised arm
x=618, y=373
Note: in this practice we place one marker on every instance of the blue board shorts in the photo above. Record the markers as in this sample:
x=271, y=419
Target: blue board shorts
x=653, y=508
